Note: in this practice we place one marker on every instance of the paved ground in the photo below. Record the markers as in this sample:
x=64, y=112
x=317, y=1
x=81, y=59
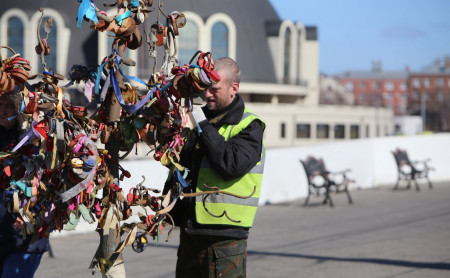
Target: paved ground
x=384, y=233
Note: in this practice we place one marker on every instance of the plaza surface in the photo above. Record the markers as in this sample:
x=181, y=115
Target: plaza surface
x=385, y=233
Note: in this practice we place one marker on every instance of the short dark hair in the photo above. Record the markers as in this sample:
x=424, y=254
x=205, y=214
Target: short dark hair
x=229, y=67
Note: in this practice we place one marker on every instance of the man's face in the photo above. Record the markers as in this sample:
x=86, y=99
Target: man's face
x=7, y=109
x=220, y=95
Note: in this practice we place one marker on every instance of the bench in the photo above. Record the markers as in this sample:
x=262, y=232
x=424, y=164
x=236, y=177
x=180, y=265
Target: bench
x=322, y=182
x=410, y=171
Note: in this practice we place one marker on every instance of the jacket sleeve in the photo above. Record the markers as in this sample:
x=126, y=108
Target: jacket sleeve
x=235, y=157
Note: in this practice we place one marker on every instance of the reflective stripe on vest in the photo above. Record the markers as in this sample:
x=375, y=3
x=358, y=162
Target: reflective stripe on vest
x=223, y=209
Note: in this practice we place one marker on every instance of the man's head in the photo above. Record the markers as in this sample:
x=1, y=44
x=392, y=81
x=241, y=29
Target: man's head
x=222, y=94
x=9, y=107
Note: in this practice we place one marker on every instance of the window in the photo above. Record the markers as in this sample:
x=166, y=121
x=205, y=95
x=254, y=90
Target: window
x=303, y=131
x=440, y=82
x=362, y=97
x=403, y=86
x=416, y=82
x=283, y=130
x=416, y=95
x=404, y=97
x=367, y=131
x=188, y=42
x=376, y=85
x=287, y=55
x=15, y=35
x=362, y=85
x=339, y=131
x=349, y=86
x=299, y=49
x=426, y=82
x=354, y=131
x=323, y=131
x=219, y=40
x=50, y=60
x=387, y=96
x=440, y=96
x=389, y=86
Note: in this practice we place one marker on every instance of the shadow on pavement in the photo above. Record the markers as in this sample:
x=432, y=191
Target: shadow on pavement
x=428, y=265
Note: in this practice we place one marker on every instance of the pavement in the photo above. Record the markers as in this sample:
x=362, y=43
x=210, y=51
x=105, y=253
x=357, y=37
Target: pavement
x=384, y=233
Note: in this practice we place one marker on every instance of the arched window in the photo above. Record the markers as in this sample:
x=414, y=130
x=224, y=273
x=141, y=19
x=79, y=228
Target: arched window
x=219, y=40
x=187, y=42
x=287, y=56
x=15, y=35
x=299, y=57
x=52, y=41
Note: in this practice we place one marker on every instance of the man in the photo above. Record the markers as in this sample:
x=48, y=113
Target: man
x=18, y=256
x=225, y=151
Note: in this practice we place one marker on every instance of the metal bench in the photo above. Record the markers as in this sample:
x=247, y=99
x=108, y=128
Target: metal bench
x=323, y=182
x=410, y=171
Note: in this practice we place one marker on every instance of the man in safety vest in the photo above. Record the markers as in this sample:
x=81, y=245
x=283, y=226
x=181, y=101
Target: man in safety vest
x=224, y=152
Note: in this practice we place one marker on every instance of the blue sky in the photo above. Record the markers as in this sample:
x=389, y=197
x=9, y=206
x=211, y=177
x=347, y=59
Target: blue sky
x=353, y=33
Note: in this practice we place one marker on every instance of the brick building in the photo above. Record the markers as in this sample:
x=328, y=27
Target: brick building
x=378, y=88
x=429, y=95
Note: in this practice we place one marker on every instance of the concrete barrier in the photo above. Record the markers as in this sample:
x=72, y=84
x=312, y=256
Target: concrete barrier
x=370, y=160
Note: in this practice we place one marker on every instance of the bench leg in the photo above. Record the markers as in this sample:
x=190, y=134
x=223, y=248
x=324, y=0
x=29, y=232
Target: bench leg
x=429, y=183
x=307, y=200
x=409, y=184
x=396, y=185
x=350, y=201
x=417, y=185
x=328, y=198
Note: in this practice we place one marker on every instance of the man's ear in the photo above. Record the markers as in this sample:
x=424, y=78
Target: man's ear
x=235, y=88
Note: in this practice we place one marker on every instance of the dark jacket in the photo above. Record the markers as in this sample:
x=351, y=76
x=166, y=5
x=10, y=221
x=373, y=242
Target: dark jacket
x=10, y=239
x=230, y=159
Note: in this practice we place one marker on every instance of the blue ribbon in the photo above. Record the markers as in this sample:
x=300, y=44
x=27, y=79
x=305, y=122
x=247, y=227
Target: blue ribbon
x=86, y=10
x=181, y=179
x=135, y=3
x=121, y=17
x=97, y=80
x=118, y=58
x=131, y=109
x=20, y=112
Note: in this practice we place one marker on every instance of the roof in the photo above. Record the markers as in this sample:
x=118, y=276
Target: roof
x=373, y=75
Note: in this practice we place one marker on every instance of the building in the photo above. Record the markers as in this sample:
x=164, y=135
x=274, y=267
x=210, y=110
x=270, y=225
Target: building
x=334, y=93
x=378, y=88
x=429, y=95
x=279, y=60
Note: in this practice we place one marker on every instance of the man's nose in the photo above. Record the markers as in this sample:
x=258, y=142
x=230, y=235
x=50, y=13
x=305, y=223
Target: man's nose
x=207, y=93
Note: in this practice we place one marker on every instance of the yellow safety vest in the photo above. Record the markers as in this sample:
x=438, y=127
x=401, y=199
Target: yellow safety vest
x=223, y=209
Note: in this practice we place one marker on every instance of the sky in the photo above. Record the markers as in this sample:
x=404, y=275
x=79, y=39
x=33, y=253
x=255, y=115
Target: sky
x=353, y=33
